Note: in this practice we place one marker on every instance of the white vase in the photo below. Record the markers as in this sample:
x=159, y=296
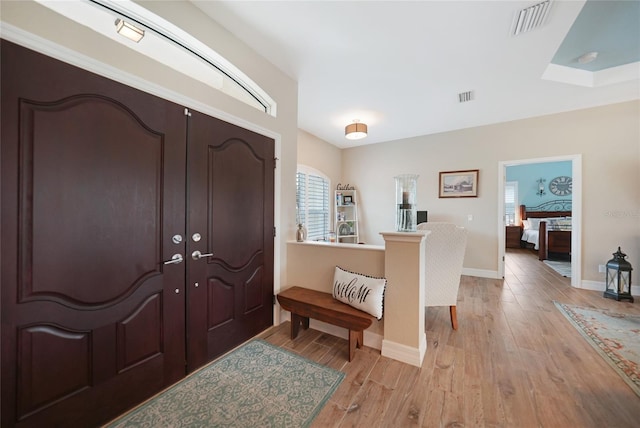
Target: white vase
x=301, y=233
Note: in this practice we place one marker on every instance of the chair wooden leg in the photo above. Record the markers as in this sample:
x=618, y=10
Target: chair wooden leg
x=454, y=317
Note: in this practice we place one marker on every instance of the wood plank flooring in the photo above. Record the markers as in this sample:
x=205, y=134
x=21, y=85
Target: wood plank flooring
x=515, y=361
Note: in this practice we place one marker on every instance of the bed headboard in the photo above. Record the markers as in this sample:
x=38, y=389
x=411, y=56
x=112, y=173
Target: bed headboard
x=558, y=208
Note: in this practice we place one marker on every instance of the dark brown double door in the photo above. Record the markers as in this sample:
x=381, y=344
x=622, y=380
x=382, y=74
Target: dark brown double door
x=104, y=189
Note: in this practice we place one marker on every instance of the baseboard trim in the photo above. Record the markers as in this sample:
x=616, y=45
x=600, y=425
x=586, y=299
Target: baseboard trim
x=482, y=273
x=592, y=285
x=403, y=353
x=600, y=286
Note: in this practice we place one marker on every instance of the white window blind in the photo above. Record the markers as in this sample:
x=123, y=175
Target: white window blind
x=312, y=202
x=510, y=201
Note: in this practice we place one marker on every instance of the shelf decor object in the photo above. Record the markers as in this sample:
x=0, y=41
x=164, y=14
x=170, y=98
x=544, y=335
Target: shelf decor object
x=618, y=278
x=406, y=217
x=301, y=233
x=346, y=215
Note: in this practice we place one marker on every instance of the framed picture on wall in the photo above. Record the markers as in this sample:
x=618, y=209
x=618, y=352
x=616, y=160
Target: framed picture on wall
x=459, y=184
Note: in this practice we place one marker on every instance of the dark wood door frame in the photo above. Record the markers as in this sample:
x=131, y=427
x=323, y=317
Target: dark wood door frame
x=48, y=320
x=230, y=205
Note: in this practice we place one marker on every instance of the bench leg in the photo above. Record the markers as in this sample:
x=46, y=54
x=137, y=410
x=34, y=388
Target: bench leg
x=454, y=317
x=356, y=340
x=296, y=320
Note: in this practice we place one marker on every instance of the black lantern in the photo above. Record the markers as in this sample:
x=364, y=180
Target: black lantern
x=619, y=277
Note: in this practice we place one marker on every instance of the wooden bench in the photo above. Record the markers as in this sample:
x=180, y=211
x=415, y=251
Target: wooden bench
x=304, y=304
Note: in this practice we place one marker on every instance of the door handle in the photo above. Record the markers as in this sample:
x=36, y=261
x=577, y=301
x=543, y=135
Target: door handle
x=197, y=255
x=175, y=259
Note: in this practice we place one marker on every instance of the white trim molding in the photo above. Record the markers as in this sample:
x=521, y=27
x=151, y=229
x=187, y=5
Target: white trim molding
x=601, y=286
x=576, y=216
x=404, y=353
x=481, y=273
x=170, y=41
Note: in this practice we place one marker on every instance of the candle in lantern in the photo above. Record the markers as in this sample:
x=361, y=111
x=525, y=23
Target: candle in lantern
x=405, y=198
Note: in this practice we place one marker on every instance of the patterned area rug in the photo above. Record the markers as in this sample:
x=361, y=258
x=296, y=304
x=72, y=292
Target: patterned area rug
x=563, y=268
x=256, y=385
x=616, y=337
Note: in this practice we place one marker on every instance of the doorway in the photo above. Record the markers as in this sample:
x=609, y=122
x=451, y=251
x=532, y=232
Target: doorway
x=137, y=242
x=576, y=220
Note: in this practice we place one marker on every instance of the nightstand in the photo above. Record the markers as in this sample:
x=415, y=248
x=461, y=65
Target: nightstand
x=512, y=236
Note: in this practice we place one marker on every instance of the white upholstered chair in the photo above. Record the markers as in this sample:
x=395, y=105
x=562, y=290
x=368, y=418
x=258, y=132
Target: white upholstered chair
x=444, y=255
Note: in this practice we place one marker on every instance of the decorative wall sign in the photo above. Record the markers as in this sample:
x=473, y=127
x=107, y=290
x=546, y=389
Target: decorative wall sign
x=341, y=186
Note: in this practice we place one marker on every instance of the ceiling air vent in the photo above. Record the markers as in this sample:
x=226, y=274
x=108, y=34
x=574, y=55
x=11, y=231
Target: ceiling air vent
x=531, y=17
x=463, y=97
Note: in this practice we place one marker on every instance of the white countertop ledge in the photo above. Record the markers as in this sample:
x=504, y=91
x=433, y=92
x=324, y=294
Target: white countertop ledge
x=339, y=246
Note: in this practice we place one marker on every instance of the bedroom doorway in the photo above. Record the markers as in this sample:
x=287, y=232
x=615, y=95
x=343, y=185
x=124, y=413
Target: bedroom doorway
x=576, y=202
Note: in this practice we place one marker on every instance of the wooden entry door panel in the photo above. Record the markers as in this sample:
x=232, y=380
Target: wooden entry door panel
x=93, y=183
x=230, y=205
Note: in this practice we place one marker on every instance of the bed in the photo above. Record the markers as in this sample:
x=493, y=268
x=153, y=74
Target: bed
x=548, y=227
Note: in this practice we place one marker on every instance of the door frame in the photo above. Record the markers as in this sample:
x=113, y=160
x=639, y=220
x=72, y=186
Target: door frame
x=576, y=214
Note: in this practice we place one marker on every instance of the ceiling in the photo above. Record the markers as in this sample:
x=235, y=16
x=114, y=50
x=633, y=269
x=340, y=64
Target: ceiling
x=399, y=66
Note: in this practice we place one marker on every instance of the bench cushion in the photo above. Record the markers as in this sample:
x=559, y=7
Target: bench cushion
x=360, y=291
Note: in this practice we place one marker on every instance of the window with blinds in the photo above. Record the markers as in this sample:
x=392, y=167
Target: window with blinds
x=312, y=204
x=510, y=201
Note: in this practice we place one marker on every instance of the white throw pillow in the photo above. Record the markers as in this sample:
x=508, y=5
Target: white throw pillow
x=535, y=223
x=360, y=291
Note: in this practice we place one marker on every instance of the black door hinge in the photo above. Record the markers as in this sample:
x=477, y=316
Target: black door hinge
x=275, y=163
x=274, y=231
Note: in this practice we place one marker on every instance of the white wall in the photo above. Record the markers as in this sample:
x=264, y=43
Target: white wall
x=318, y=154
x=608, y=138
x=312, y=265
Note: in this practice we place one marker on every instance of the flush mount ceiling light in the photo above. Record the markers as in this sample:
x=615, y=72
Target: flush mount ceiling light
x=355, y=131
x=129, y=31
x=588, y=57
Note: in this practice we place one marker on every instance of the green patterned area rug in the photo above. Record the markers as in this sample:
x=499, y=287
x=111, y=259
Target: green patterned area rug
x=256, y=385
x=616, y=337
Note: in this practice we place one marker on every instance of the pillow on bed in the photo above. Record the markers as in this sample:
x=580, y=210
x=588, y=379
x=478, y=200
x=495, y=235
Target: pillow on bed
x=559, y=223
x=534, y=223
x=526, y=225
x=360, y=291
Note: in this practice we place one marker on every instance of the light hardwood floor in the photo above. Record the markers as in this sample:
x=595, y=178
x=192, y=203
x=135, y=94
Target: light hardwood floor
x=515, y=361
